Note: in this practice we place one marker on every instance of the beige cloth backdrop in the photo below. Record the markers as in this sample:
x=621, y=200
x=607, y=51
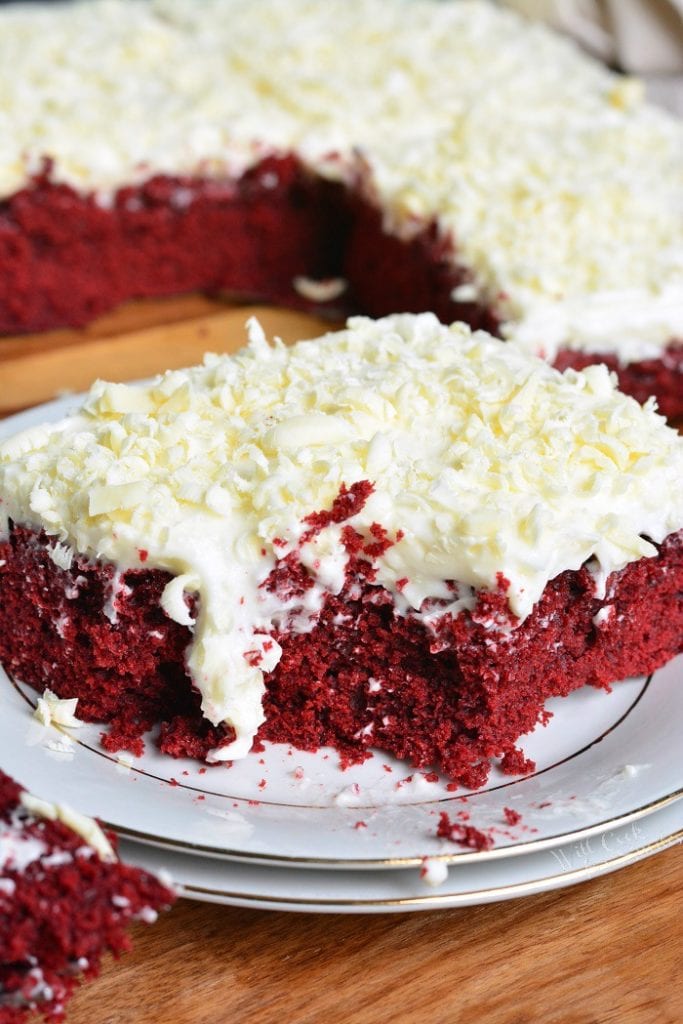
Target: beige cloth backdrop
x=643, y=37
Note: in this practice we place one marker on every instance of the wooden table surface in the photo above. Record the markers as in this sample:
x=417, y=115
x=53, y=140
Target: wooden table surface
x=608, y=951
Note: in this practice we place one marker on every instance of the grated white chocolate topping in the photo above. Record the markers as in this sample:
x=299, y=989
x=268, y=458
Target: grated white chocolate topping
x=50, y=708
x=483, y=460
x=562, y=190
x=18, y=850
x=87, y=828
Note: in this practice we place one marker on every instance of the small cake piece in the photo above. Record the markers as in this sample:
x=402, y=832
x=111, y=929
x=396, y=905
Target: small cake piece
x=369, y=157
x=400, y=536
x=65, y=899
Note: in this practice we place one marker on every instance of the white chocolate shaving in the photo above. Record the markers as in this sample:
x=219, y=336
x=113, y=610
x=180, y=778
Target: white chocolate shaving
x=81, y=824
x=62, y=711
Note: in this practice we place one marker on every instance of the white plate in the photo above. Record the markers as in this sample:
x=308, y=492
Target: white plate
x=270, y=888
x=604, y=759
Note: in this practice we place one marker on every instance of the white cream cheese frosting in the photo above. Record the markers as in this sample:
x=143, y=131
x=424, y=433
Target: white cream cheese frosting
x=562, y=189
x=482, y=460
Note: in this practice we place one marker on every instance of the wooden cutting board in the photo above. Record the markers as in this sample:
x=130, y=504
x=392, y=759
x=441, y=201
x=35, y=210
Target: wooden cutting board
x=136, y=340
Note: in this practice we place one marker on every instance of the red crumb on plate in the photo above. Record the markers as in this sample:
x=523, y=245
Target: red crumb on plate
x=512, y=817
x=463, y=835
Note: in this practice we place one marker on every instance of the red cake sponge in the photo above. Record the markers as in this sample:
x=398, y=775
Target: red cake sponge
x=65, y=899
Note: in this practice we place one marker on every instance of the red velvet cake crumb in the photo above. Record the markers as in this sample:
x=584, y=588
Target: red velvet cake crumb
x=512, y=817
x=61, y=908
x=464, y=835
x=348, y=503
x=514, y=762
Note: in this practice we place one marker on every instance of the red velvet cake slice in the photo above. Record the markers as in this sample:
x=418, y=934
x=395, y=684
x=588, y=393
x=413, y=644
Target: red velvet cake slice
x=465, y=162
x=65, y=899
x=400, y=536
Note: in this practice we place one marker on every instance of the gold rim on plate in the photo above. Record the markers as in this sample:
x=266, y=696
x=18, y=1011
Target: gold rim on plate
x=456, y=857
x=452, y=899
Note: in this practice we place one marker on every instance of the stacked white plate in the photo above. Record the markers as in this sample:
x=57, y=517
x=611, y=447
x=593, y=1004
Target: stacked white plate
x=292, y=831
x=288, y=830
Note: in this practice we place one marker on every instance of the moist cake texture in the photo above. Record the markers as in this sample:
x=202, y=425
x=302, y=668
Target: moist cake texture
x=65, y=899
x=401, y=536
x=370, y=157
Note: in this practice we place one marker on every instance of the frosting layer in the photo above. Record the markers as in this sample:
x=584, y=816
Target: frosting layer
x=563, y=191
x=482, y=460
